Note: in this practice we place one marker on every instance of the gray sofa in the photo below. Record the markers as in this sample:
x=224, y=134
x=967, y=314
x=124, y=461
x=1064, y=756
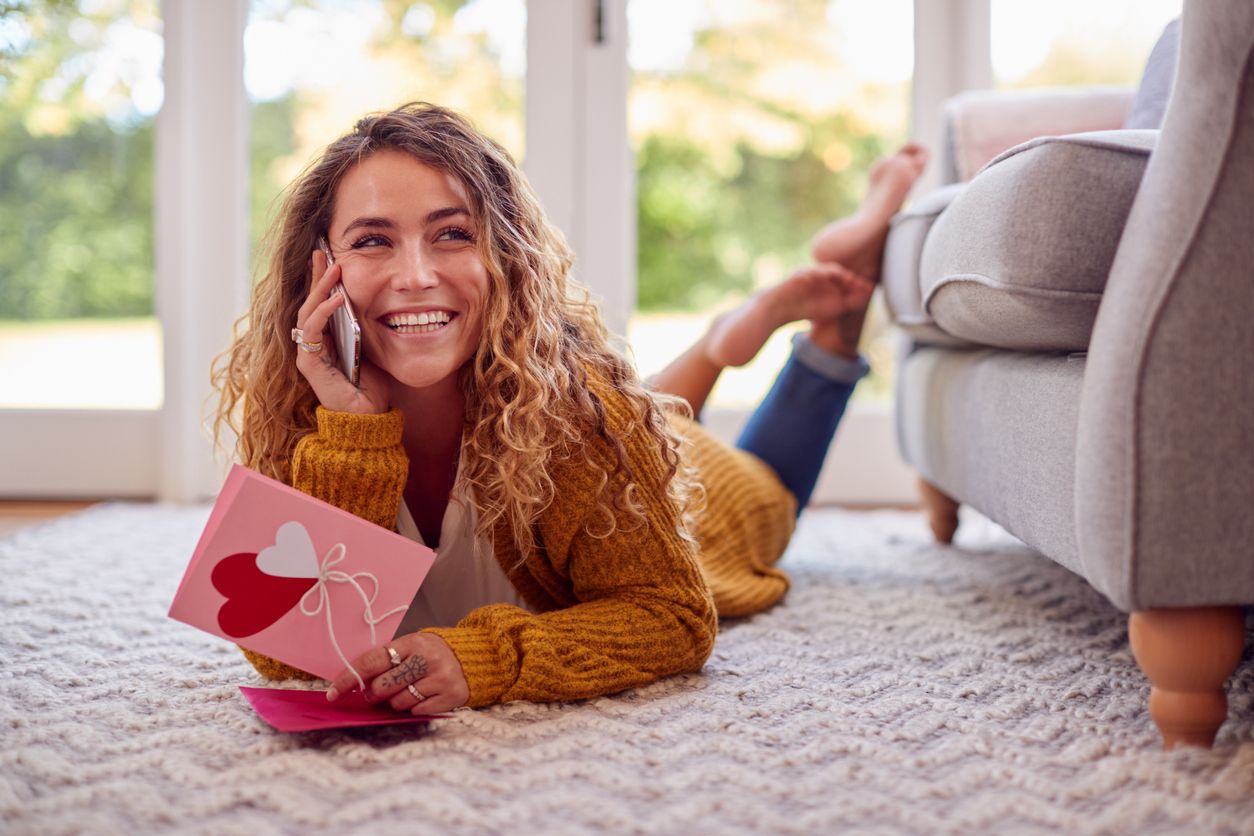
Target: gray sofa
x=1081, y=360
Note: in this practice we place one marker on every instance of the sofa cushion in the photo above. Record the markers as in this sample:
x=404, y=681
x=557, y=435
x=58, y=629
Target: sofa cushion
x=900, y=267
x=1152, y=94
x=980, y=124
x=1020, y=258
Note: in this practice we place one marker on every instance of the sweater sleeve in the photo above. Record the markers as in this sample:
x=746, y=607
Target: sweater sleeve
x=641, y=609
x=354, y=462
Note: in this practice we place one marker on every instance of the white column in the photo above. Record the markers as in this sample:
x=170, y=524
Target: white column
x=578, y=156
x=201, y=226
x=952, y=53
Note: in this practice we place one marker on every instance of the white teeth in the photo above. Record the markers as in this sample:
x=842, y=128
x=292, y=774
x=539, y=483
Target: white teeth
x=418, y=323
x=418, y=329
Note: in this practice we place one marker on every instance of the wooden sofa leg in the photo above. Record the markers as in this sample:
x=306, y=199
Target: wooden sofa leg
x=942, y=511
x=1188, y=654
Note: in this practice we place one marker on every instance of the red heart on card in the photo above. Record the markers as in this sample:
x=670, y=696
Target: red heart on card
x=254, y=600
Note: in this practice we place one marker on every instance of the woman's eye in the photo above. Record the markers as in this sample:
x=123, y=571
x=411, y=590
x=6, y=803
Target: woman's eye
x=369, y=241
x=455, y=233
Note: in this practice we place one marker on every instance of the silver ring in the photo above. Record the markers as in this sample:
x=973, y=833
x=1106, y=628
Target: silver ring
x=393, y=655
x=298, y=337
x=417, y=694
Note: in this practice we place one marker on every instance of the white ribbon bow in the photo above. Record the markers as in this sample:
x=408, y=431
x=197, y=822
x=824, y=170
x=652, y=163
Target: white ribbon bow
x=326, y=574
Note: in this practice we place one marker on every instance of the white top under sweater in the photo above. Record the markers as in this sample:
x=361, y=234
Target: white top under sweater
x=465, y=575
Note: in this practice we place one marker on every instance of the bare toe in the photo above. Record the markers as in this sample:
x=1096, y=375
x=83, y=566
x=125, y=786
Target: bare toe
x=890, y=180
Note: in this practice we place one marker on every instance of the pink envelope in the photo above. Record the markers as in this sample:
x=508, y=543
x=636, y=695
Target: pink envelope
x=295, y=578
x=294, y=711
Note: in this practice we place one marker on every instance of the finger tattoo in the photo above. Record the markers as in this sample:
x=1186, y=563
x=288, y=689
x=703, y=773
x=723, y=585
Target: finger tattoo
x=406, y=673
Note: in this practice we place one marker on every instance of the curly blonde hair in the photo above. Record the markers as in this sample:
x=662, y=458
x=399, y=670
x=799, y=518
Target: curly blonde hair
x=527, y=399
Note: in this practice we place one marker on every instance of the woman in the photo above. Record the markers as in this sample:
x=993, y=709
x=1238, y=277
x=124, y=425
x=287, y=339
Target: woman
x=589, y=535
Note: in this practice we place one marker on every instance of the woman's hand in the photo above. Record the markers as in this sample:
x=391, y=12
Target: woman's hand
x=334, y=390
x=427, y=680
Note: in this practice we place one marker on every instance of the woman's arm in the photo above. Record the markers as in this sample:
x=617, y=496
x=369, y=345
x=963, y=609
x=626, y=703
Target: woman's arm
x=355, y=462
x=640, y=607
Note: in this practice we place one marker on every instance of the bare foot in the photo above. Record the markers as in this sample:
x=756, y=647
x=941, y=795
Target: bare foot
x=890, y=179
x=858, y=240
x=825, y=294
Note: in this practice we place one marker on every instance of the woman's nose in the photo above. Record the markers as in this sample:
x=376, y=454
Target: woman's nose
x=418, y=271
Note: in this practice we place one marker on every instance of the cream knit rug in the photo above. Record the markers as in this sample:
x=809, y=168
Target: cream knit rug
x=901, y=687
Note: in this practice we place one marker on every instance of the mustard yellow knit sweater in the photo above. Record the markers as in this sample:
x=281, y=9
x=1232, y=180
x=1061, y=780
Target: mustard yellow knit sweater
x=611, y=613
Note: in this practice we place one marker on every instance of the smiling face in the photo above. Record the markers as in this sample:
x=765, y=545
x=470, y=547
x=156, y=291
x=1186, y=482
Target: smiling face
x=404, y=238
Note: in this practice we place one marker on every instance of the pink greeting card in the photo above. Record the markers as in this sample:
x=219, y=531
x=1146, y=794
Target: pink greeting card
x=295, y=578
x=289, y=710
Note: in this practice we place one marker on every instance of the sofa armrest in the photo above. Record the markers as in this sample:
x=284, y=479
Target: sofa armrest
x=980, y=124
x=1165, y=434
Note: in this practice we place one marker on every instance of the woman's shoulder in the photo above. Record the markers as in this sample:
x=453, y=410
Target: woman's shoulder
x=616, y=426
x=625, y=441
x=624, y=412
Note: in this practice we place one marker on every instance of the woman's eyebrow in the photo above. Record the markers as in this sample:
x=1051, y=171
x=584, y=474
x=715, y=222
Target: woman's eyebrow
x=374, y=223
x=387, y=223
x=447, y=211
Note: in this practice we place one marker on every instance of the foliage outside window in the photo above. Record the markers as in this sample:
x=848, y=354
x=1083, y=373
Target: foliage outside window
x=746, y=145
x=748, y=136
x=754, y=125
x=79, y=90
x=313, y=67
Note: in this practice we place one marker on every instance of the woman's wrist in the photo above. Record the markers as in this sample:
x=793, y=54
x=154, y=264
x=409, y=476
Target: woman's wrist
x=358, y=404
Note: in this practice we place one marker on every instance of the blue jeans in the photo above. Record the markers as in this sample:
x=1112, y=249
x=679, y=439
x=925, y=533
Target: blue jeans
x=795, y=423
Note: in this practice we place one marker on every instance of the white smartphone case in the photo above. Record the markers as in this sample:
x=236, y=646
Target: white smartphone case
x=347, y=332
x=345, y=327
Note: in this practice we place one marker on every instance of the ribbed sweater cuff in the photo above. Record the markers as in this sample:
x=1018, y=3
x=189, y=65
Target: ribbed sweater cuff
x=476, y=649
x=360, y=432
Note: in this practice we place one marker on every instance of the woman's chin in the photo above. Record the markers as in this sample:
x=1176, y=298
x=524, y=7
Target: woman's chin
x=424, y=377
x=435, y=367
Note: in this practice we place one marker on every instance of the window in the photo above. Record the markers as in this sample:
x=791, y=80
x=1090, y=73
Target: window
x=80, y=86
x=753, y=124
x=313, y=68
x=1075, y=42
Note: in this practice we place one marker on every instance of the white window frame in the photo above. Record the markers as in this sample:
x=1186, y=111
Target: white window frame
x=578, y=158
x=202, y=166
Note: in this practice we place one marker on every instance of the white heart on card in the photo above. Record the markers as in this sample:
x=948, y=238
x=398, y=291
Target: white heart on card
x=291, y=556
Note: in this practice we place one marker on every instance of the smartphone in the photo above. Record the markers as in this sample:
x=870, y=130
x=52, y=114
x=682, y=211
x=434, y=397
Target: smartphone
x=344, y=327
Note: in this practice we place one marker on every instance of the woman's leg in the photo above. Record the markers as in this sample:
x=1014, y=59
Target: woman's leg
x=793, y=427
x=817, y=293
x=795, y=423
x=690, y=376
x=855, y=243
x=852, y=244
